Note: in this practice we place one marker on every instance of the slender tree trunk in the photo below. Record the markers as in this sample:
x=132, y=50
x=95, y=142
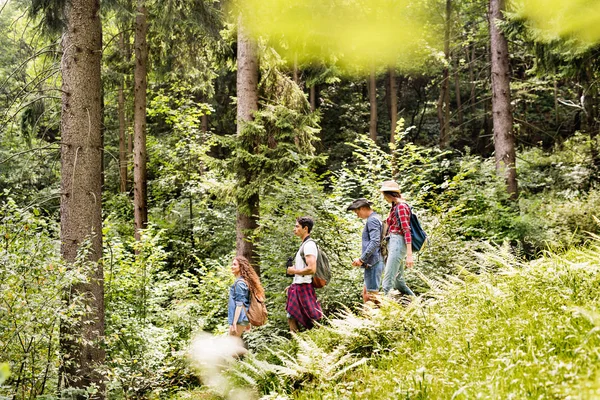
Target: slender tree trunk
x=122, y=125
x=471, y=57
x=102, y=132
x=504, y=139
x=247, y=105
x=312, y=97
x=393, y=104
x=204, y=123
x=139, y=120
x=459, y=109
x=130, y=88
x=296, y=77
x=81, y=335
x=443, y=106
x=556, y=103
x=373, y=103
x=590, y=105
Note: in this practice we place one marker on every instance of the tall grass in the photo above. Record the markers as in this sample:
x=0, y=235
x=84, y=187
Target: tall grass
x=522, y=331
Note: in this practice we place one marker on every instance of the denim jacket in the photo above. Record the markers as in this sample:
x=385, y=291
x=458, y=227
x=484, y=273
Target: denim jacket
x=371, y=236
x=239, y=295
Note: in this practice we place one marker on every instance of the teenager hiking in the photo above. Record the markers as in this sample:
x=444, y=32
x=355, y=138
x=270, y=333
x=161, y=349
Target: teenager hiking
x=302, y=305
x=399, y=244
x=370, y=259
x=246, y=284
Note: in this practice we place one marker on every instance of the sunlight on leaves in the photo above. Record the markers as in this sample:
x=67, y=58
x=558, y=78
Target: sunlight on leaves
x=4, y=372
x=356, y=34
x=573, y=19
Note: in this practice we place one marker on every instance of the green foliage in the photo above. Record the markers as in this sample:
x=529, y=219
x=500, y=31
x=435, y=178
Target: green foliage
x=309, y=163
x=4, y=372
x=528, y=331
x=553, y=19
x=33, y=282
x=152, y=312
x=277, y=141
x=29, y=111
x=313, y=31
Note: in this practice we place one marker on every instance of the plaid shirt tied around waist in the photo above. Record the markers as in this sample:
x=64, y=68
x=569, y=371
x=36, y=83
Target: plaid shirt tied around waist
x=302, y=304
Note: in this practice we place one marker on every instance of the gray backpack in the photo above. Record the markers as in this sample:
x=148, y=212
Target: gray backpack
x=323, y=274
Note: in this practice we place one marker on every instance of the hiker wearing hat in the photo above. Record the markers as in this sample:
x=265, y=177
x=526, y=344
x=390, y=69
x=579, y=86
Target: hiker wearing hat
x=399, y=244
x=370, y=259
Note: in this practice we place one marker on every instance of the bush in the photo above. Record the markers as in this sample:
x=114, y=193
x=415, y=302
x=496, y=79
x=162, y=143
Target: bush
x=33, y=281
x=525, y=331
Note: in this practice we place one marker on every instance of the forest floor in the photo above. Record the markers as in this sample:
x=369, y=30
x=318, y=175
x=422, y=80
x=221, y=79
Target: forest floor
x=523, y=330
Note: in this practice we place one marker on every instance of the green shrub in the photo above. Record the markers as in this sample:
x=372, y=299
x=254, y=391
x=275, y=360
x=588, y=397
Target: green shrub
x=524, y=331
x=33, y=281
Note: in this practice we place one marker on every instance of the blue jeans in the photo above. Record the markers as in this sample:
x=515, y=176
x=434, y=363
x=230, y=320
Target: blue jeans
x=373, y=276
x=393, y=277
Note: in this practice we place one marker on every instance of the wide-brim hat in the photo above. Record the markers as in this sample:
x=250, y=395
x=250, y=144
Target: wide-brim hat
x=358, y=203
x=390, y=186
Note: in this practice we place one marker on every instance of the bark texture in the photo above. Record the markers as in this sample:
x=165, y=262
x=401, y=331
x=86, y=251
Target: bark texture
x=459, y=110
x=502, y=119
x=443, y=105
x=393, y=104
x=139, y=120
x=81, y=335
x=122, y=125
x=204, y=123
x=373, y=103
x=247, y=105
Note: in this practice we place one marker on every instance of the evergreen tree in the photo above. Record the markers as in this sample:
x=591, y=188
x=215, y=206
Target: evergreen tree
x=81, y=192
x=504, y=138
x=247, y=104
x=140, y=195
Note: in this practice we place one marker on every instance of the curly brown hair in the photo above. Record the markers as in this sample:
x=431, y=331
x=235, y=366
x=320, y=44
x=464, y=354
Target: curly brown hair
x=251, y=277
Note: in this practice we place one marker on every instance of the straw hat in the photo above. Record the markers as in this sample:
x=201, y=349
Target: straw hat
x=390, y=186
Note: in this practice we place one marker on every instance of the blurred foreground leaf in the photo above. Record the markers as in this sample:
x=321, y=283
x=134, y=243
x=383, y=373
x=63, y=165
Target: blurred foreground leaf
x=355, y=34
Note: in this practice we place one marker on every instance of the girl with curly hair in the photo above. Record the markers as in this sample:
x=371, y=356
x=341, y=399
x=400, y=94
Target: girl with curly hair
x=246, y=283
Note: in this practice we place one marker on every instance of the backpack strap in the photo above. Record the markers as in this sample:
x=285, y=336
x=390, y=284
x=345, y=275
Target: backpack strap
x=236, y=283
x=302, y=249
x=398, y=215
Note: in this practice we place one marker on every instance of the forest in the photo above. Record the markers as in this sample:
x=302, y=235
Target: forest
x=146, y=143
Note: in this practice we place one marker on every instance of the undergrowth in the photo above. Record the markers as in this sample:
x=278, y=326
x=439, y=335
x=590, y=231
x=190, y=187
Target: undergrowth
x=522, y=331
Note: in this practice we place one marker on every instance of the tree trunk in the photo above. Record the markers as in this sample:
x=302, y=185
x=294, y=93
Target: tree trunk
x=204, y=123
x=122, y=125
x=393, y=105
x=127, y=85
x=296, y=77
x=590, y=105
x=471, y=57
x=139, y=120
x=504, y=139
x=102, y=132
x=459, y=110
x=556, y=103
x=373, y=103
x=443, y=105
x=247, y=105
x=312, y=97
x=81, y=192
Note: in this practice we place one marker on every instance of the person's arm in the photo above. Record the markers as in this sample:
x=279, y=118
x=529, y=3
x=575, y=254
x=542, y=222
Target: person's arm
x=374, y=229
x=404, y=215
x=240, y=293
x=311, y=267
x=236, y=316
